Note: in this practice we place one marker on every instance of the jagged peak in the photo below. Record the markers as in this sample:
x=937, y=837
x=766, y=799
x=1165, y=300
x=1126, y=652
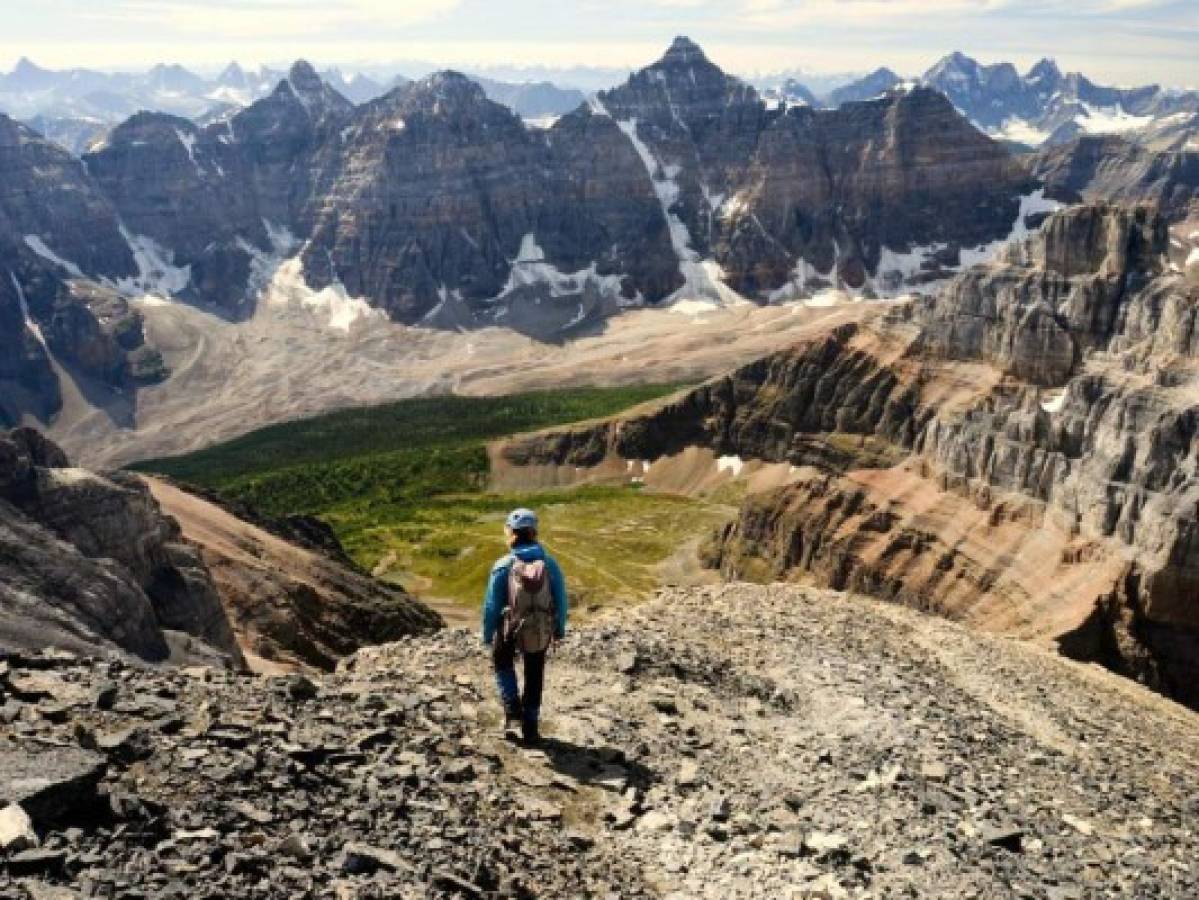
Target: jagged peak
x=26, y=66
x=684, y=51
x=304, y=77
x=1046, y=69
x=232, y=73
x=447, y=86
x=957, y=61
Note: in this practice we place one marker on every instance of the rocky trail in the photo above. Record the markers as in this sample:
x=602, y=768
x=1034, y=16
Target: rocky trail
x=733, y=741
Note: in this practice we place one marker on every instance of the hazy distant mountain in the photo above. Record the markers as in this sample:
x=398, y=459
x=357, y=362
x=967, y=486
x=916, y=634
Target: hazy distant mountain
x=531, y=100
x=877, y=82
x=1045, y=105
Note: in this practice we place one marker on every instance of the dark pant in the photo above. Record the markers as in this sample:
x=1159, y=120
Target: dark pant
x=504, y=659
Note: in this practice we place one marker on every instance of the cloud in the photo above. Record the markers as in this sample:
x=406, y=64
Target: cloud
x=266, y=18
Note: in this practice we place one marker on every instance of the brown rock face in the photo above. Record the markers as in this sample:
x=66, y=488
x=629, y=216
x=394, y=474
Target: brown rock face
x=97, y=564
x=931, y=466
x=291, y=605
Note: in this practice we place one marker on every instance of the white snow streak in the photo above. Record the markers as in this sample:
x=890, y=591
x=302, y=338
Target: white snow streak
x=530, y=270
x=1033, y=204
x=1109, y=120
x=189, y=144
x=29, y=322
x=38, y=246
x=702, y=278
x=1054, y=402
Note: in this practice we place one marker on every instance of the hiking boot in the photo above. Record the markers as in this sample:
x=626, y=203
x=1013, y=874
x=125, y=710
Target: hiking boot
x=530, y=734
x=512, y=716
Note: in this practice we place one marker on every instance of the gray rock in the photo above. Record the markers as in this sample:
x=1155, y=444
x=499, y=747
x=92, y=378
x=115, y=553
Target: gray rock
x=364, y=859
x=52, y=784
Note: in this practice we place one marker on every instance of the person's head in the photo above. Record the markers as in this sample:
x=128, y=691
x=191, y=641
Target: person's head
x=520, y=527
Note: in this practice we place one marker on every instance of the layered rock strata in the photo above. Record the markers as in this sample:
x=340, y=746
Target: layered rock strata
x=1019, y=451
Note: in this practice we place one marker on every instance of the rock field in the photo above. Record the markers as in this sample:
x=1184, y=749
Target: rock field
x=737, y=741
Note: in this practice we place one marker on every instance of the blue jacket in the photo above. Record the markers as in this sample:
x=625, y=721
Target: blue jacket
x=497, y=590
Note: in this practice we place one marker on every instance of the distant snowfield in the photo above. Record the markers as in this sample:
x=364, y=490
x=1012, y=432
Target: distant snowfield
x=1109, y=120
x=1020, y=131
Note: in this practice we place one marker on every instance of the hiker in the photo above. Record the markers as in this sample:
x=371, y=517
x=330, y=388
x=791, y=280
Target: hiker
x=525, y=611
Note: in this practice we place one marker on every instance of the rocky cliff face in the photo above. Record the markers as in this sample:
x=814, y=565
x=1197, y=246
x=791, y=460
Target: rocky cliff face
x=91, y=563
x=291, y=604
x=1115, y=170
x=1018, y=452
x=437, y=205
x=110, y=563
x=62, y=252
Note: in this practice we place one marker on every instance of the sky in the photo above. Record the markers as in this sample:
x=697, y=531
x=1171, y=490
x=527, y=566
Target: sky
x=1114, y=41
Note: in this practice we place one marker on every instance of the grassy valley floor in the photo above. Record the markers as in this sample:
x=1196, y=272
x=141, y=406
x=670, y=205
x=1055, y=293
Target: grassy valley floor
x=404, y=486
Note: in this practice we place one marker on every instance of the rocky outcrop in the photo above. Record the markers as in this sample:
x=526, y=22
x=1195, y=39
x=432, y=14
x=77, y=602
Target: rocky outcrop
x=91, y=563
x=291, y=604
x=112, y=563
x=1018, y=452
x=1036, y=316
x=1113, y=169
x=749, y=720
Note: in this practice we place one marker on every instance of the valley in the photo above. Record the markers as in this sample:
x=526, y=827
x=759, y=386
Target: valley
x=409, y=491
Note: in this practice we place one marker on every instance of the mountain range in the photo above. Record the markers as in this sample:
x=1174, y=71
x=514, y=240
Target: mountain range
x=1042, y=106
x=77, y=107
x=434, y=205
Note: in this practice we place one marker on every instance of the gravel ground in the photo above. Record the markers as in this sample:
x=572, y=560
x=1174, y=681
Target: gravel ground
x=733, y=741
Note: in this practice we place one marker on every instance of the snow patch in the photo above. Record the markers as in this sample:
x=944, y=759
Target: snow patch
x=830, y=297
x=38, y=246
x=694, y=307
x=288, y=287
x=1021, y=131
x=1109, y=120
x=541, y=123
x=157, y=273
x=596, y=105
x=733, y=464
x=189, y=144
x=1033, y=204
x=1054, y=402
x=1193, y=259
x=530, y=270
x=797, y=285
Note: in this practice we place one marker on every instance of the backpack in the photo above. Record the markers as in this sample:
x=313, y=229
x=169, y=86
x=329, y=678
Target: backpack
x=529, y=617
